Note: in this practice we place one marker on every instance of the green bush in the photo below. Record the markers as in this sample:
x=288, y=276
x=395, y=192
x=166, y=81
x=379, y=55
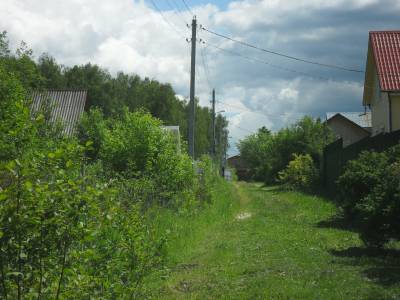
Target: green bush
x=300, y=173
x=359, y=178
x=73, y=211
x=266, y=153
x=370, y=195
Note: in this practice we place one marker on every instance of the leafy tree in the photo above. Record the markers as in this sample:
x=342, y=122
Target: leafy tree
x=268, y=153
x=52, y=72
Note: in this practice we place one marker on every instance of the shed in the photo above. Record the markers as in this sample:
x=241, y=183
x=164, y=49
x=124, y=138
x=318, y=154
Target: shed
x=64, y=106
x=349, y=126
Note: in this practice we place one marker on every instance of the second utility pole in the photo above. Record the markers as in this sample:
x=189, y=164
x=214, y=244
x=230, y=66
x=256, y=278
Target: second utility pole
x=192, y=104
x=213, y=124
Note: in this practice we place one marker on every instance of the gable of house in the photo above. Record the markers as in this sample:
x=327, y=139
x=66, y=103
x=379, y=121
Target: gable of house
x=350, y=127
x=382, y=80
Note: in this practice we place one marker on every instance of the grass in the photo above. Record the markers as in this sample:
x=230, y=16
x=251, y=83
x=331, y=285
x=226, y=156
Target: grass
x=264, y=243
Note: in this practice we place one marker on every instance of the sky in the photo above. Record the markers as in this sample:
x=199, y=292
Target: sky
x=262, y=89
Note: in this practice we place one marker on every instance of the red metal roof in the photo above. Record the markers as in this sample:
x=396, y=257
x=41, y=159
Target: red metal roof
x=386, y=48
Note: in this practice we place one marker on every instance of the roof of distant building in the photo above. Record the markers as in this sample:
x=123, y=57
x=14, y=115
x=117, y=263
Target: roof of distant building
x=66, y=106
x=386, y=50
x=362, y=119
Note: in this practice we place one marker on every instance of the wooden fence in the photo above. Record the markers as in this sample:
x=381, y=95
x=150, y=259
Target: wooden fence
x=335, y=156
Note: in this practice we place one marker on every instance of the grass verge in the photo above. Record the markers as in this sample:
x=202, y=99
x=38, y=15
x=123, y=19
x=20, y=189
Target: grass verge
x=264, y=243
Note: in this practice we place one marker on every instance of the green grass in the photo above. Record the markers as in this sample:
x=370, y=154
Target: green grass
x=289, y=248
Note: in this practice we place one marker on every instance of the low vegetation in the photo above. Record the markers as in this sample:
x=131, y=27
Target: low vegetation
x=74, y=211
x=300, y=173
x=370, y=195
x=275, y=244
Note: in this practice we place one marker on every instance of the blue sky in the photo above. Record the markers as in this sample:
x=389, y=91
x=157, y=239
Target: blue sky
x=132, y=36
x=222, y=4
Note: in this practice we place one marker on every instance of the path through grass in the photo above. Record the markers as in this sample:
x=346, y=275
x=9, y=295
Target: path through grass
x=280, y=245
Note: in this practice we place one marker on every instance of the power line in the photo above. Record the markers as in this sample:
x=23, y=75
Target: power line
x=175, y=9
x=266, y=62
x=166, y=20
x=182, y=11
x=187, y=7
x=251, y=111
x=244, y=129
x=205, y=68
x=287, y=69
x=343, y=68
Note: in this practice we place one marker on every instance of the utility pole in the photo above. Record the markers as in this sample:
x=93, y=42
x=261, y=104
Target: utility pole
x=213, y=124
x=192, y=104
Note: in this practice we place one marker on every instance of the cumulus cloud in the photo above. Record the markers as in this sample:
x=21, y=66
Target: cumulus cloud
x=131, y=36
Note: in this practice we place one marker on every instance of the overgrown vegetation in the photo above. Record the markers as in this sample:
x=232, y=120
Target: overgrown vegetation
x=289, y=247
x=111, y=94
x=370, y=195
x=267, y=153
x=300, y=173
x=73, y=210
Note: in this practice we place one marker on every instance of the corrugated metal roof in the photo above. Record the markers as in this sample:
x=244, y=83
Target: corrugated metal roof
x=360, y=118
x=386, y=48
x=66, y=106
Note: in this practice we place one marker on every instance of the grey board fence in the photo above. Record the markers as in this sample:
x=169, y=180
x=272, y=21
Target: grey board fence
x=335, y=156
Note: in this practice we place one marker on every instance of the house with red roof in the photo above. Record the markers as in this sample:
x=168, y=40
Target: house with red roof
x=382, y=81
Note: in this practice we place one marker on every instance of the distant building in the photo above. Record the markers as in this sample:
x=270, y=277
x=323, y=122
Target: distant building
x=382, y=81
x=241, y=168
x=174, y=130
x=64, y=106
x=349, y=126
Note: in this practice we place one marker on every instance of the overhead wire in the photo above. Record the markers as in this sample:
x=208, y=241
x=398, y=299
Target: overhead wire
x=182, y=11
x=283, y=68
x=205, y=68
x=188, y=7
x=166, y=20
x=343, y=68
x=175, y=9
x=244, y=129
x=249, y=110
x=266, y=62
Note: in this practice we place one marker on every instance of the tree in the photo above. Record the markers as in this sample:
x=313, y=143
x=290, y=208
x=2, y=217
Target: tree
x=268, y=153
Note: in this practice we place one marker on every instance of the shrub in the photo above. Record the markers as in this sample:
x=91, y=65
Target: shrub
x=300, y=173
x=359, y=178
x=370, y=195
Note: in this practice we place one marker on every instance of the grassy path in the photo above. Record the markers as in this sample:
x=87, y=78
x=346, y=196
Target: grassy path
x=280, y=245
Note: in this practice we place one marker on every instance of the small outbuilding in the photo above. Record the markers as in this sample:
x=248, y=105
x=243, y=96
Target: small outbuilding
x=240, y=166
x=64, y=107
x=349, y=126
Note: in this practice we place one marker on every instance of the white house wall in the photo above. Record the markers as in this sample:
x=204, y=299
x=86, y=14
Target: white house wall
x=379, y=110
x=348, y=132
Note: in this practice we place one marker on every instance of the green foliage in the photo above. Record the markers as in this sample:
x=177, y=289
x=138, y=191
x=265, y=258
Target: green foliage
x=300, y=173
x=15, y=126
x=73, y=211
x=268, y=153
x=111, y=94
x=91, y=129
x=370, y=195
x=359, y=179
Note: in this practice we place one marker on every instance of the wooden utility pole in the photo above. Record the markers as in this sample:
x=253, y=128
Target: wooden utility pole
x=192, y=104
x=213, y=124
